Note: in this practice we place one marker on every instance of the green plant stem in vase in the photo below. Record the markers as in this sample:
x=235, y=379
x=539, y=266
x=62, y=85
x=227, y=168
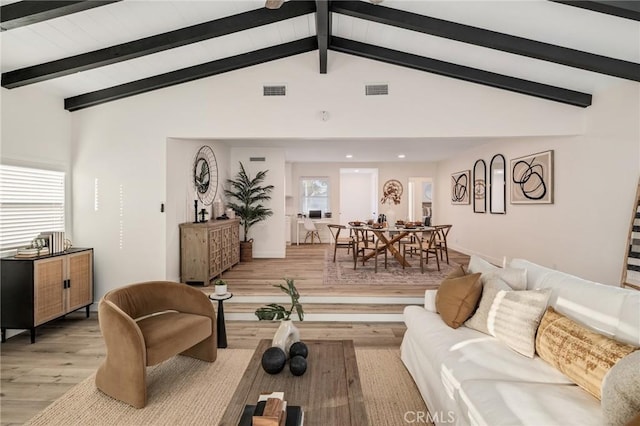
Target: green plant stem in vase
x=287, y=333
x=274, y=311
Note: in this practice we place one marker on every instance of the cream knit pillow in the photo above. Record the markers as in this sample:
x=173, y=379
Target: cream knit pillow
x=511, y=316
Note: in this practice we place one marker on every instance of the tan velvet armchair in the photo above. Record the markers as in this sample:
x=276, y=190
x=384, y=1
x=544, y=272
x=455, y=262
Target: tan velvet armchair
x=146, y=323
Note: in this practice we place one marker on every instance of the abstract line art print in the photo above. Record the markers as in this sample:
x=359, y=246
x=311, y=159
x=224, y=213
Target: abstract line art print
x=460, y=187
x=532, y=179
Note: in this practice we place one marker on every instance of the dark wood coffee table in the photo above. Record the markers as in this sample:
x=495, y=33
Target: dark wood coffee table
x=329, y=392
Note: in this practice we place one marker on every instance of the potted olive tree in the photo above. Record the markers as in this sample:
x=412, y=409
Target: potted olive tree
x=247, y=195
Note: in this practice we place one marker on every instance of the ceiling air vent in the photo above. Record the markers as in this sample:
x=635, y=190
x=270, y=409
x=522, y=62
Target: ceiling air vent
x=376, y=89
x=274, y=90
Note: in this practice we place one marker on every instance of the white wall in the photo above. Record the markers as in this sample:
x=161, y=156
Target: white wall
x=123, y=143
x=36, y=132
x=585, y=231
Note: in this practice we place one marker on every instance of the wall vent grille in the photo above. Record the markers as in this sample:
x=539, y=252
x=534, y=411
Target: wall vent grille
x=257, y=159
x=376, y=89
x=274, y=90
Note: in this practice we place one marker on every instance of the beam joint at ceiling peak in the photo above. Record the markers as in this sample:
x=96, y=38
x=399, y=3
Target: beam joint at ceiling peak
x=323, y=30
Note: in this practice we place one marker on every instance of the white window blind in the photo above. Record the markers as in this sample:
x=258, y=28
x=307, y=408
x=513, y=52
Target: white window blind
x=31, y=201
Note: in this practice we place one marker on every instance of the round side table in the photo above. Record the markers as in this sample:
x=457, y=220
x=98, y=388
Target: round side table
x=221, y=329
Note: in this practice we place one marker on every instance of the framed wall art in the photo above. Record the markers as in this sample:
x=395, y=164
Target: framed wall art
x=498, y=185
x=479, y=187
x=460, y=186
x=532, y=179
x=392, y=192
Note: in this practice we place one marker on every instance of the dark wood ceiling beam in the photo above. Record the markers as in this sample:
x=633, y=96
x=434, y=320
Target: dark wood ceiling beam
x=191, y=73
x=491, y=39
x=622, y=9
x=448, y=69
x=323, y=31
x=19, y=14
x=153, y=44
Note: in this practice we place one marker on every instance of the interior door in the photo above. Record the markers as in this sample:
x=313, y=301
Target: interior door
x=358, y=194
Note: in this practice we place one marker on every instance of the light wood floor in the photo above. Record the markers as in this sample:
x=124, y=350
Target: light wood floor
x=69, y=350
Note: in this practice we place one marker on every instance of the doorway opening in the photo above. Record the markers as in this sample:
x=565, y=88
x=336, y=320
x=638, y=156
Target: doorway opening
x=420, y=199
x=358, y=194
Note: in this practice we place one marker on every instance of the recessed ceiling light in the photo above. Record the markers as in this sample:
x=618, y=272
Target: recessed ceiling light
x=349, y=156
x=401, y=155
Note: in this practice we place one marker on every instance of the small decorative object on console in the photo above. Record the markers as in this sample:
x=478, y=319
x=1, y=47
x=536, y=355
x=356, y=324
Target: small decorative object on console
x=299, y=348
x=273, y=360
x=297, y=365
x=221, y=287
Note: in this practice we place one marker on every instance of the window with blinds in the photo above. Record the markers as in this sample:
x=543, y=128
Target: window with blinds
x=314, y=194
x=31, y=201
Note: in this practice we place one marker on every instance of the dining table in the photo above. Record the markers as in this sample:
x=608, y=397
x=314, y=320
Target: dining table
x=389, y=236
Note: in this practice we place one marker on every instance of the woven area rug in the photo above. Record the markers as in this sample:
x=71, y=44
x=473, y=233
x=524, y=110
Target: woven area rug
x=185, y=391
x=342, y=273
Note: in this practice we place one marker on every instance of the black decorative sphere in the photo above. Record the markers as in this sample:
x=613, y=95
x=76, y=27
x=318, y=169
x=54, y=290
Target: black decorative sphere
x=273, y=360
x=297, y=365
x=298, y=348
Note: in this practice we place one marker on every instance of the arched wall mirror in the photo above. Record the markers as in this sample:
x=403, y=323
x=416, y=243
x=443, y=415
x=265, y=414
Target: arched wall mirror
x=497, y=185
x=479, y=187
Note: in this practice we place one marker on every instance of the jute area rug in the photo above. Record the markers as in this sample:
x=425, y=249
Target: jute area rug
x=342, y=273
x=184, y=391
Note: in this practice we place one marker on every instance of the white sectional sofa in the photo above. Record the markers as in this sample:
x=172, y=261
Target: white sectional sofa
x=470, y=378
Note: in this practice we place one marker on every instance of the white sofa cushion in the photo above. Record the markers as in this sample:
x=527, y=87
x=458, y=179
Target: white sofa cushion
x=612, y=311
x=516, y=278
x=502, y=403
x=465, y=354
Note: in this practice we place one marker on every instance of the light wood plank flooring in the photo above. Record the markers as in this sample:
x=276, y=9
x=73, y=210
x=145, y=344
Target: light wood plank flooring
x=69, y=350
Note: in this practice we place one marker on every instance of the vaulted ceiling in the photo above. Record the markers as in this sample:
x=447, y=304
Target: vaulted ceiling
x=91, y=52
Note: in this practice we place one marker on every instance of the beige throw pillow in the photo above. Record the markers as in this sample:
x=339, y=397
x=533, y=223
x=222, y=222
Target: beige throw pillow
x=457, y=297
x=581, y=354
x=516, y=318
x=489, y=292
x=511, y=316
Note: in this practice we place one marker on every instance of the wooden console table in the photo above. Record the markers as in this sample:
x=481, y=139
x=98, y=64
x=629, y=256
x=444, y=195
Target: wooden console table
x=208, y=249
